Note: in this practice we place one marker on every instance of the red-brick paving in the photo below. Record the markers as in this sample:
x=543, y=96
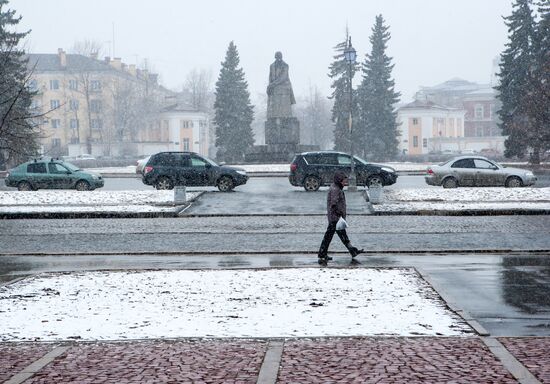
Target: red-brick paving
x=157, y=362
x=15, y=357
x=532, y=352
x=391, y=360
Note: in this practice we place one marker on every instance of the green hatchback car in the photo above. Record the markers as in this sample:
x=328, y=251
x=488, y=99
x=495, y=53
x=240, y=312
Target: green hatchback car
x=49, y=173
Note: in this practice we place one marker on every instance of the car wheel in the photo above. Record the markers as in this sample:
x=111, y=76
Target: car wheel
x=164, y=183
x=82, y=185
x=375, y=181
x=450, y=182
x=225, y=184
x=514, y=182
x=312, y=183
x=24, y=186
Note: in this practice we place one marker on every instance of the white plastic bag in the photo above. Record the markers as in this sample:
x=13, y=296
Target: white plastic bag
x=341, y=224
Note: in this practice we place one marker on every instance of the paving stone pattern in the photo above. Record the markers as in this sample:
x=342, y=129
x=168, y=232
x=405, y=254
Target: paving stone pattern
x=15, y=357
x=236, y=362
x=533, y=353
x=391, y=360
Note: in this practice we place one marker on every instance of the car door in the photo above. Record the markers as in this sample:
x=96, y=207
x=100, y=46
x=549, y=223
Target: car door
x=60, y=177
x=486, y=174
x=182, y=169
x=38, y=175
x=199, y=171
x=464, y=171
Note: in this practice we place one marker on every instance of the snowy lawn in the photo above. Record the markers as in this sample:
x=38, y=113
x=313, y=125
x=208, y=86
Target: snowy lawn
x=436, y=199
x=224, y=303
x=88, y=201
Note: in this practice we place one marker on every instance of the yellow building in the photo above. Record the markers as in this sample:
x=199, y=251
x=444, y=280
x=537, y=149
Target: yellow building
x=93, y=106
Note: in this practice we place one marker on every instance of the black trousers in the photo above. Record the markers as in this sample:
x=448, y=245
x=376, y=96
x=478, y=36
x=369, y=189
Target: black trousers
x=323, y=251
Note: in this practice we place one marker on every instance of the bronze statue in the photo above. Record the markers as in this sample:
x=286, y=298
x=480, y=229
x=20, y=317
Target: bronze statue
x=280, y=96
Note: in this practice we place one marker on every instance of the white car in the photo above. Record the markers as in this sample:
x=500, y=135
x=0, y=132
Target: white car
x=85, y=156
x=140, y=164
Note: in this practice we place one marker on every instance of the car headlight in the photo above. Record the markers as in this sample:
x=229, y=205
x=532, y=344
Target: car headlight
x=389, y=170
x=242, y=173
x=529, y=174
x=95, y=177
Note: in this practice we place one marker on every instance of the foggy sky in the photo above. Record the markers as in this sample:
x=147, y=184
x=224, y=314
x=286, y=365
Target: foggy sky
x=432, y=40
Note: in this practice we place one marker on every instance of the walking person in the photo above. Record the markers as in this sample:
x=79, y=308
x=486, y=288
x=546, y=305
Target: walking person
x=336, y=208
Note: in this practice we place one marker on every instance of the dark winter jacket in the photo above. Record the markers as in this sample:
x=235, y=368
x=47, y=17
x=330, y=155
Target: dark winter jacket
x=336, y=200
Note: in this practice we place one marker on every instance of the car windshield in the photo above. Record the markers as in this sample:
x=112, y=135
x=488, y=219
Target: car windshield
x=212, y=162
x=71, y=167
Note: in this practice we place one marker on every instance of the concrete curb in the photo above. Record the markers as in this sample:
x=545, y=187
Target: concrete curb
x=270, y=366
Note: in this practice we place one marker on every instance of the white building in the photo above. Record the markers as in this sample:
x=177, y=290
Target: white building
x=179, y=128
x=429, y=127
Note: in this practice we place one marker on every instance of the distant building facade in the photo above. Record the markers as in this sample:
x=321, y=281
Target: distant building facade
x=425, y=126
x=179, y=128
x=93, y=106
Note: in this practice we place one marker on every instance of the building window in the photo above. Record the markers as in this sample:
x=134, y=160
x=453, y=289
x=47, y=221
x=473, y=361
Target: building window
x=165, y=124
x=33, y=85
x=56, y=142
x=73, y=84
x=74, y=140
x=202, y=123
x=95, y=85
x=73, y=105
x=74, y=124
x=186, y=124
x=415, y=121
x=97, y=123
x=95, y=106
x=54, y=84
x=186, y=144
x=415, y=141
x=479, y=111
x=56, y=123
x=54, y=104
x=425, y=143
x=492, y=111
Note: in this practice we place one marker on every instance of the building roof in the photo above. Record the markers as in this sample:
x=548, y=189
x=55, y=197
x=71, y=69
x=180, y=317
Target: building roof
x=50, y=62
x=426, y=104
x=455, y=84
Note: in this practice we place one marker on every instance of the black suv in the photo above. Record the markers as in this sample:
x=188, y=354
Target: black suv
x=312, y=170
x=165, y=170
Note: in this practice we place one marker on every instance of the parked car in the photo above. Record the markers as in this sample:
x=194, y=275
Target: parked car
x=477, y=171
x=165, y=170
x=140, y=164
x=49, y=173
x=85, y=156
x=312, y=170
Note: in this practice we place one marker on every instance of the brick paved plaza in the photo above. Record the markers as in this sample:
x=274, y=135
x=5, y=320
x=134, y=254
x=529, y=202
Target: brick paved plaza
x=325, y=360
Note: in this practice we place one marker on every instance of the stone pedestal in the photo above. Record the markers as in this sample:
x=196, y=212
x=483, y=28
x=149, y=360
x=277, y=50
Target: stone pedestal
x=282, y=138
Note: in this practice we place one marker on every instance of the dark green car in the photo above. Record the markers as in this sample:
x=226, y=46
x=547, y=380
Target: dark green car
x=49, y=173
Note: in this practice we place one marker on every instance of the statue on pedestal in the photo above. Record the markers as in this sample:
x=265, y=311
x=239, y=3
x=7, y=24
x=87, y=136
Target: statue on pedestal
x=279, y=91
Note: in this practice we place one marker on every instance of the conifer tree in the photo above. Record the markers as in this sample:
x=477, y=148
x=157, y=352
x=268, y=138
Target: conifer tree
x=514, y=78
x=377, y=97
x=19, y=132
x=339, y=71
x=233, y=112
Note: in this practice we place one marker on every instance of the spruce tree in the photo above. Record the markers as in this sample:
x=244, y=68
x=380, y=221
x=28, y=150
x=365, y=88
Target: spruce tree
x=339, y=71
x=538, y=100
x=514, y=77
x=377, y=97
x=19, y=132
x=233, y=112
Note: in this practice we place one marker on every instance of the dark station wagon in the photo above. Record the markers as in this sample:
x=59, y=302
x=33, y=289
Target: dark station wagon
x=49, y=173
x=165, y=170
x=312, y=170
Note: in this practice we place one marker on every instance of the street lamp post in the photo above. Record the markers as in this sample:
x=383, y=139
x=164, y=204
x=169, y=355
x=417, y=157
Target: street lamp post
x=350, y=54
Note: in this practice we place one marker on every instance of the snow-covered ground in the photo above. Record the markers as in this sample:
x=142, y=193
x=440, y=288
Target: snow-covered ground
x=429, y=199
x=224, y=303
x=88, y=201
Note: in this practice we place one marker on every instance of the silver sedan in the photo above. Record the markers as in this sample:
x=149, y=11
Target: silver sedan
x=477, y=171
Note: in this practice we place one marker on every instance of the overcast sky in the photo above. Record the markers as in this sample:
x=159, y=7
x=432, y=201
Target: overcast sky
x=432, y=40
